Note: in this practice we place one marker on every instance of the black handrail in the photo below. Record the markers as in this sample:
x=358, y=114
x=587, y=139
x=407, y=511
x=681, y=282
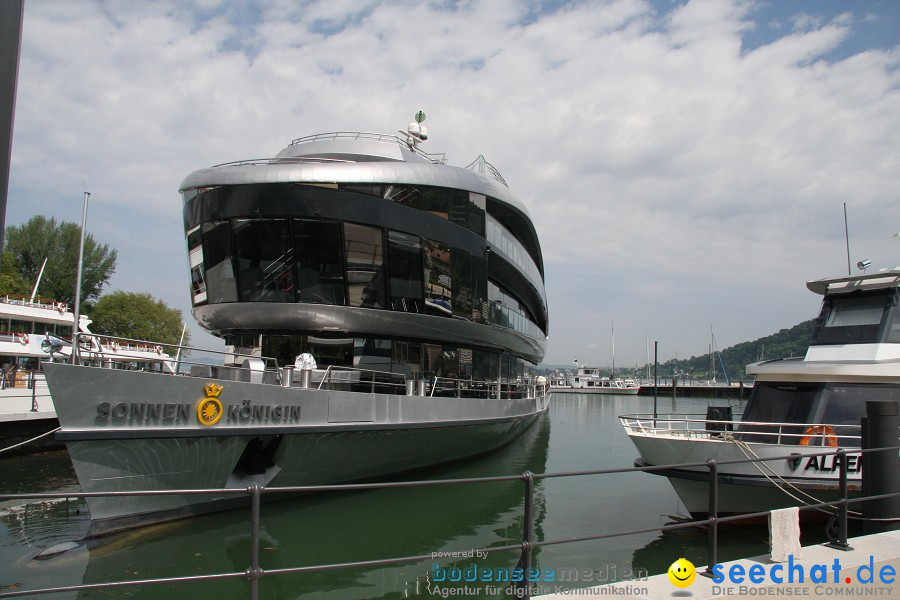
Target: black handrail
x=254, y=572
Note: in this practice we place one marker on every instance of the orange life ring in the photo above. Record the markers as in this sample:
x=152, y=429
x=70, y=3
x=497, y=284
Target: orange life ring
x=825, y=431
x=23, y=338
x=159, y=350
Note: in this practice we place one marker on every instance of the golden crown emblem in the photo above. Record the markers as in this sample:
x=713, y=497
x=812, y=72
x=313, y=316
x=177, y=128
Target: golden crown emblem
x=212, y=390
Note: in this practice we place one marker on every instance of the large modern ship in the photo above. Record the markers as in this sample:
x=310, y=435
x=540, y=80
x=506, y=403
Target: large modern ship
x=799, y=407
x=382, y=311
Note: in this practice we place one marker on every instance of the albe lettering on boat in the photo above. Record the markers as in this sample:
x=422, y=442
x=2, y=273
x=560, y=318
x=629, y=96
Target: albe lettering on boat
x=830, y=463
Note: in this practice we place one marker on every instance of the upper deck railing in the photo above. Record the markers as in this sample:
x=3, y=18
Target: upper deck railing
x=265, y=370
x=483, y=167
x=438, y=159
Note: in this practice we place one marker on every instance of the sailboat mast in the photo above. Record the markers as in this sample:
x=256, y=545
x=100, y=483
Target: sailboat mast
x=612, y=373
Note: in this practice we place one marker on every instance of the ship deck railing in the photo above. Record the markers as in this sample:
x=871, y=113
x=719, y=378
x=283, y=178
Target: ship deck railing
x=836, y=529
x=60, y=307
x=438, y=159
x=698, y=426
x=174, y=358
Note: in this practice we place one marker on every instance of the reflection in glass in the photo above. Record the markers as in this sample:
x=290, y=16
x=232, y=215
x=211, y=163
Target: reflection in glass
x=317, y=245
x=264, y=253
x=405, y=263
x=439, y=288
x=217, y=253
x=365, y=269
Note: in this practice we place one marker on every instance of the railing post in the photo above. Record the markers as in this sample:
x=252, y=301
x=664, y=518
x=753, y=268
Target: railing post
x=841, y=542
x=254, y=572
x=712, y=549
x=528, y=526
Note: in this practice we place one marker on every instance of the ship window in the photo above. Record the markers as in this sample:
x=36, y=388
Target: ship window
x=437, y=201
x=265, y=261
x=198, y=286
x=405, y=265
x=431, y=360
x=407, y=359
x=220, y=281
x=365, y=268
x=851, y=319
x=893, y=334
x=846, y=405
x=320, y=269
x=194, y=238
x=372, y=353
x=403, y=194
x=18, y=326
x=333, y=352
x=777, y=403
x=461, y=275
x=438, y=286
x=485, y=366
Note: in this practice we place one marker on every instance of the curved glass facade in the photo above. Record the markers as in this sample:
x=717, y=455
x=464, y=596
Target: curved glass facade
x=403, y=249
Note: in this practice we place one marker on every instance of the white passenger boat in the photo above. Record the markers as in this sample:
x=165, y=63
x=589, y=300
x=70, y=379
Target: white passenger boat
x=415, y=287
x=33, y=331
x=589, y=380
x=798, y=407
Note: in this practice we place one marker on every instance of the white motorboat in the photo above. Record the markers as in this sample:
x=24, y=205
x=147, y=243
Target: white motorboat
x=589, y=380
x=798, y=407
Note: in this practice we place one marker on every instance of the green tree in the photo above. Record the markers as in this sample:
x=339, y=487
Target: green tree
x=41, y=238
x=138, y=317
x=11, y=281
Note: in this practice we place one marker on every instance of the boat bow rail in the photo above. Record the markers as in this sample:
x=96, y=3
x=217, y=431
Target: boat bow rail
x=698, y=426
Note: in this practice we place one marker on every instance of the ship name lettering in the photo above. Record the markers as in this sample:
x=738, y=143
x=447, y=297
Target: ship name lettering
x=831, y=463
x=248, y=413
x=143, y=412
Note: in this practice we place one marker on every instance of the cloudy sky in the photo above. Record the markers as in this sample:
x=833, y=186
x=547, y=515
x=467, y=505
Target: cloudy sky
x=686, y=161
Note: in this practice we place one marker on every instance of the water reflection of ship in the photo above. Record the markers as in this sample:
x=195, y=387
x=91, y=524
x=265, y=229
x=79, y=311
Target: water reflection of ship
x=342, y=527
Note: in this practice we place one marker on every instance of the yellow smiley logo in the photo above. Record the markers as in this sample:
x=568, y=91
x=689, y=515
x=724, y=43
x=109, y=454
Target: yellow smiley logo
x=682, y=573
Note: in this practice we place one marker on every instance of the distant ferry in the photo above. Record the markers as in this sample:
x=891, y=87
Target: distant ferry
x=798, y=408
x=588, y=380
x=31, y=329
x=382, y=311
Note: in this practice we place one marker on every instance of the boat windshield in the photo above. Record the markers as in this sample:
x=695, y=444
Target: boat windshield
x=777, y=403
x=853, y=318
x=836, y=405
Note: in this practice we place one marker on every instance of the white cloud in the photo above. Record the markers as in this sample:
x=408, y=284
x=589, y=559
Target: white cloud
x=677, y=175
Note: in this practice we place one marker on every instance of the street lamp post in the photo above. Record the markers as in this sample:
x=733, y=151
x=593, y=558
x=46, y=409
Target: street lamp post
x=74, y=357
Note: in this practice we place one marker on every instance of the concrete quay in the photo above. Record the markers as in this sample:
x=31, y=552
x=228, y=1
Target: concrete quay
x=870, y=570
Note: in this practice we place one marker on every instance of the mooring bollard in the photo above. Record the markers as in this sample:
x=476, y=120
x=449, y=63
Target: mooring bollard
x=287, y=376
x=305, y=376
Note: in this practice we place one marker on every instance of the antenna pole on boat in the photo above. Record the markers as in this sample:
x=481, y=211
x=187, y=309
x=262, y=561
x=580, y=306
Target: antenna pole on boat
x=847, y=239
x=612, y=373
x=87, y=195
x=180, y=344
x=37, y=283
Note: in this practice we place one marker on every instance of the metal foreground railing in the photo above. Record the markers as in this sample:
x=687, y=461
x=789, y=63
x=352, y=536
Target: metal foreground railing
x=254, y=573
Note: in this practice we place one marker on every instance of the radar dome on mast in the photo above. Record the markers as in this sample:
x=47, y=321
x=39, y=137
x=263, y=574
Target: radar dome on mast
x=416, y=132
